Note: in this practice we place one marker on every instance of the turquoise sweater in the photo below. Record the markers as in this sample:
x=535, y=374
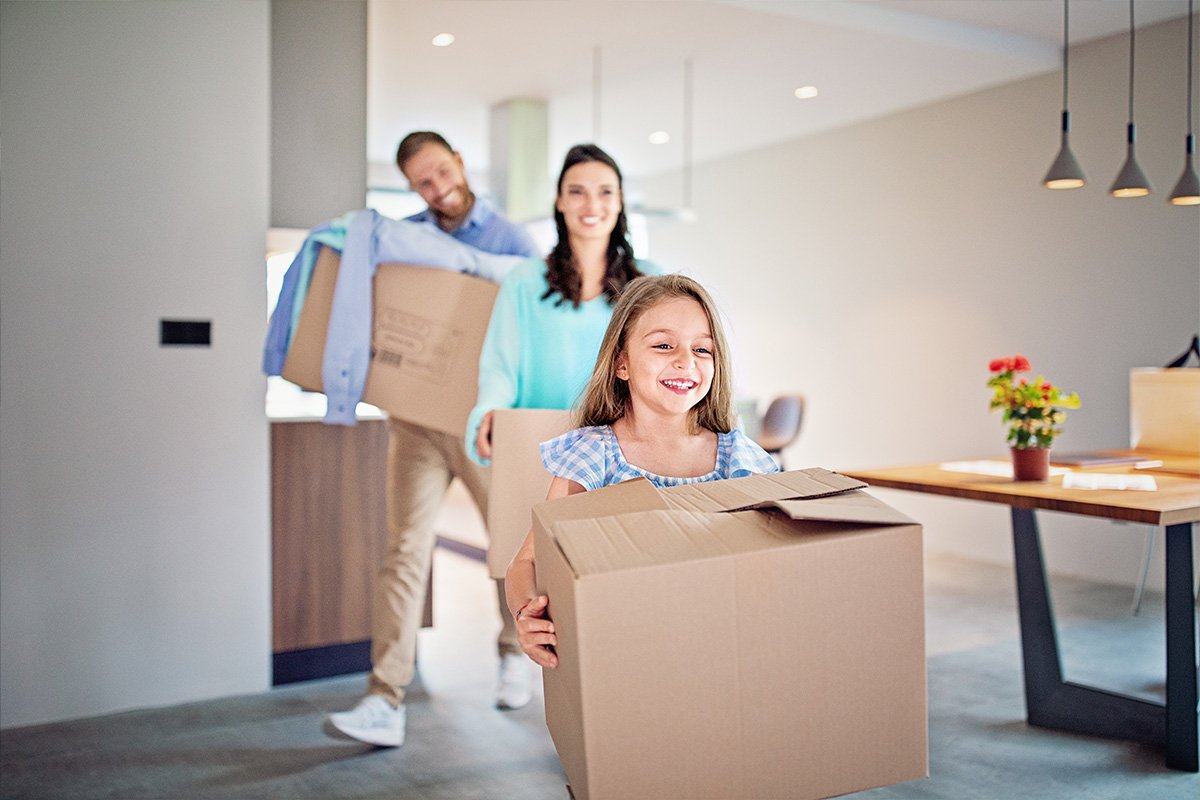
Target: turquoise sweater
x=537, y=354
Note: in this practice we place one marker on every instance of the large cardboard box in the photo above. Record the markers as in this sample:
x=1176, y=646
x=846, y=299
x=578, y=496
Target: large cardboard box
x=1164, y=410
x=427, y=330
x=761, y=637
x=519, y=481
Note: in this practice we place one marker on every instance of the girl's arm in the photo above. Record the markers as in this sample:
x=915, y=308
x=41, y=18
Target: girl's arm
x=535, y=631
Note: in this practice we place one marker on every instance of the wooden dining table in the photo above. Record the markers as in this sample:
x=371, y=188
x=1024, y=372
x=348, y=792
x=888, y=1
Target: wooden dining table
x=1174, y=505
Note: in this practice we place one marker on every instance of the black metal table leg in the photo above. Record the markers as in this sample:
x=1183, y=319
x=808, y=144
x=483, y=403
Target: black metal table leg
x=1181, y=651
x=1039, y=640
x=1051, y=702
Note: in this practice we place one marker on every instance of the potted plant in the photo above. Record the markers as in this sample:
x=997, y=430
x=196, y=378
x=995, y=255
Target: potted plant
x=1033, y=410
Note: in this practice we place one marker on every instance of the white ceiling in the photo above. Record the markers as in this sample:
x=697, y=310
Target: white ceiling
x=867, y=58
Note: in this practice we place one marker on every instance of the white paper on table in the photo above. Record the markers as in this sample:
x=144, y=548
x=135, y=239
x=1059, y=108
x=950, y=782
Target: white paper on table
x=1000, y=469
x=1101, y=480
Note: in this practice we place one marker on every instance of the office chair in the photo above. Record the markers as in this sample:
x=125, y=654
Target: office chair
x=1152, y=533
x=781, y=424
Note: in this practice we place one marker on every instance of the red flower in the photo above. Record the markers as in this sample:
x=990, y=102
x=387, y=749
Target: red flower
x=1017, y=363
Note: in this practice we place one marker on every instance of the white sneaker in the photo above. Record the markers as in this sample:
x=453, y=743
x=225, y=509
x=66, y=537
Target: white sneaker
x=515, y=689
x=373, y=721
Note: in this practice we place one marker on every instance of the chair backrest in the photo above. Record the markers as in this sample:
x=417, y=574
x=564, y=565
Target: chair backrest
x=781, y=423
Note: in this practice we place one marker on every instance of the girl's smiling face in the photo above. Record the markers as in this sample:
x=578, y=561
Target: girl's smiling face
x=590, y=199
x=668, y=357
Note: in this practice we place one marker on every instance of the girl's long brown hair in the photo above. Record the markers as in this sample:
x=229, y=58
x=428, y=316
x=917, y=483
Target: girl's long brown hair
x=562, y=275
x=605, y=399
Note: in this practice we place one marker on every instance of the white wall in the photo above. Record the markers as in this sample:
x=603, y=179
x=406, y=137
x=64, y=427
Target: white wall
x=878, y=268
x=134, y=538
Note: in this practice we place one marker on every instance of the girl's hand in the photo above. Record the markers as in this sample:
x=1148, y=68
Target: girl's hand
x=535, y=632
x=483, y=439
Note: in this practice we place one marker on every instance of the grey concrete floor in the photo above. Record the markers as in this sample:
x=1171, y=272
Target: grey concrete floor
x=275, y=744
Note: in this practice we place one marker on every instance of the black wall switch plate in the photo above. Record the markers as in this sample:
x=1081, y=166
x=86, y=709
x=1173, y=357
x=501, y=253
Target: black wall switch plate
x=187, y=332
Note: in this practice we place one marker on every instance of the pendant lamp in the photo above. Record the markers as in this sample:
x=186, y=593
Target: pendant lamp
x=1065, y=173
x=1187, y=190
x=1131, y=181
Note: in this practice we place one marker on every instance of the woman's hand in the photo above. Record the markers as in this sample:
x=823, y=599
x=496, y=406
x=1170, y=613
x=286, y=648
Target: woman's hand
x=535, y=632
x=483, y=439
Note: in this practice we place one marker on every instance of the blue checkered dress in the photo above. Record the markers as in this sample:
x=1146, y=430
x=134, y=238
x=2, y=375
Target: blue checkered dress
x=592, y=458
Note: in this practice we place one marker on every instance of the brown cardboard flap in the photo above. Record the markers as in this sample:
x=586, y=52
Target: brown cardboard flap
x=647, y=538
x=630, y=496
x=855, y=506
x=741, y=493
x=634, y=524
x=650, y=538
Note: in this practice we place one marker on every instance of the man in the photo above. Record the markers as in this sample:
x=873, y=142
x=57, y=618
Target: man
x=421, y=464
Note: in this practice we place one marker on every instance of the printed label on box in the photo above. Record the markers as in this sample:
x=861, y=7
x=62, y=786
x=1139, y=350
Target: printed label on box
x=415, y=345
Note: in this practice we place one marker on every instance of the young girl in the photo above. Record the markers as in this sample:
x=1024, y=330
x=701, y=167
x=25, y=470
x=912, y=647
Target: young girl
x=658, y=406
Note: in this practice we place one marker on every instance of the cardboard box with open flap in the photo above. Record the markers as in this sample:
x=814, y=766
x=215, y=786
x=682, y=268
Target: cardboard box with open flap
x=748, y=638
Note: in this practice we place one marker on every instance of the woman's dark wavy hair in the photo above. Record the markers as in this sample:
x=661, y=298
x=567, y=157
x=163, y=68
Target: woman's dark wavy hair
x=562, y=274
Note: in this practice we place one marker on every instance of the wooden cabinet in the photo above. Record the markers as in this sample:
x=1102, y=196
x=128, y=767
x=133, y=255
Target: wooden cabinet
x=328, y=532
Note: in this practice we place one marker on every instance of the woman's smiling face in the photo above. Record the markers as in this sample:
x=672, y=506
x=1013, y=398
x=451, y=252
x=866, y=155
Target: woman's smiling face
x=590, y=200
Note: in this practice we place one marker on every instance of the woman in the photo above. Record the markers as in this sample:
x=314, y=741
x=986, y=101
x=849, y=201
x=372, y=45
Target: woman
x=550, y=315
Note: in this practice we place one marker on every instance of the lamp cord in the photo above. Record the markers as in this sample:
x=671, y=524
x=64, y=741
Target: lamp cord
x=1131, y=42
x=1067, y=48
x=1189, y=78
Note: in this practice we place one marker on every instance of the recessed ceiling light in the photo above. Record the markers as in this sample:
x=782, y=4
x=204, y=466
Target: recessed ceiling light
x=443, y=40
x=660, y=137
x=806, y=92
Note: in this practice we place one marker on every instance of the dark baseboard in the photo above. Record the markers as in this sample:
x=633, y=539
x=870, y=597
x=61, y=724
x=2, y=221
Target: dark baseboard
x=312, y=663
x=309, y=664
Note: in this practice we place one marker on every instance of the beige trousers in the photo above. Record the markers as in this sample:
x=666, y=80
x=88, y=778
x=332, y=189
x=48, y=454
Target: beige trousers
x=421, y=464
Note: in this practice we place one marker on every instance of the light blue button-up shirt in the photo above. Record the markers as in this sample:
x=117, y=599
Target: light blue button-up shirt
x=487, y=230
